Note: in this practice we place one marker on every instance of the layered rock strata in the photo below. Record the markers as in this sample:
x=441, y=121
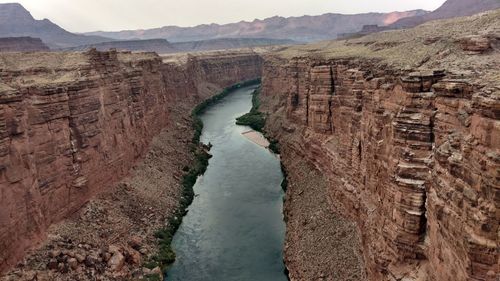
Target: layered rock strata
x=73, y=124
x=409, y=146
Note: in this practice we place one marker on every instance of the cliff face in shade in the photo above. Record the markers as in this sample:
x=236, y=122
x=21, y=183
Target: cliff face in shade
x=409, y=144
x=72, y=124
x=22, y=44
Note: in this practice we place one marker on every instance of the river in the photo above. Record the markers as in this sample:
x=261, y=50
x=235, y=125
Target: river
x=234, y=229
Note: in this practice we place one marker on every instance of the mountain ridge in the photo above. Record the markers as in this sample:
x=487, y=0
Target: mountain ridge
x=449, y=9
x=16, y=21
x=303, y=28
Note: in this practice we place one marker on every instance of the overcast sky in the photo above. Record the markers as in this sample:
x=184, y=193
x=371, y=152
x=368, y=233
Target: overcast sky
x=111, y=15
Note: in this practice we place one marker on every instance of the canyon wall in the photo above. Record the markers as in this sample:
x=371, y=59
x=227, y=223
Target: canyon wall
x=412, y=158
x=73, y=124
x=404, y=127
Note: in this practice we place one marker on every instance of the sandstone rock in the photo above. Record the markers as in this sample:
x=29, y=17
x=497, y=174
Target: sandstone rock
x=475, y=44
x=91, y=260
x=116, y=262
x=113, y=249
x=62, y=267
x=54, y=253
x=135, y=242
x=31, y=276
x=133, y=256
x=73, y=263
x=157, y=271
x=52, y=265
x=80, y=258
x=106, y=256
x=146, y=271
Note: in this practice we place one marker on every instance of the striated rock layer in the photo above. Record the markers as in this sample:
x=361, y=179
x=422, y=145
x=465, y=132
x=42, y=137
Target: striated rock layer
x=73, y=124
x=408, y=139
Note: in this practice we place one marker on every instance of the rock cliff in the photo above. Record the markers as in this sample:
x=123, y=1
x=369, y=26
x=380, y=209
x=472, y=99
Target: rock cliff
x=404, y=128
x=73, y=124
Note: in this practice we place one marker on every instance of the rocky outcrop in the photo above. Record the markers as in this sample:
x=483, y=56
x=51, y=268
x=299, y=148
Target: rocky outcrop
x=410, y=153
x=22, y=44
x=411, y=157
x=72, y=124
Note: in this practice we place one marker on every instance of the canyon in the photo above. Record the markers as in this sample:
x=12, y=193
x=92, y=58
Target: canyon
x=406, y=145
x=390, y=143
x=74, y=124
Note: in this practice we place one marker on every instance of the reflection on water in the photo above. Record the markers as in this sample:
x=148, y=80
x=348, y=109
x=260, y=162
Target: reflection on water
x=234, y=229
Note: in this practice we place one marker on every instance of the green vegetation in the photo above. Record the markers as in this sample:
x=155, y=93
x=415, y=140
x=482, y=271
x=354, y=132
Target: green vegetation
x=153, y=278
x=200, y=108
x=254, y=119
x=166, y=254
x=274, y=146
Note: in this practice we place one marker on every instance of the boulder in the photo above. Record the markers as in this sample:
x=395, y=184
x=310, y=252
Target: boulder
x=116, y=262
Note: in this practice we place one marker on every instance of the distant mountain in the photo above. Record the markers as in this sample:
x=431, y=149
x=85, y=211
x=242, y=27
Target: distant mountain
x=305, y=28
x=151, y=45
x=450, y=9
x=16, y=21
x=22, y=44
x=162, y=46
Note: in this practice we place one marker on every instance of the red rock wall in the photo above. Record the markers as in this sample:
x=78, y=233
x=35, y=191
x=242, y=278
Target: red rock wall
x=62, y=143
x=412, y=158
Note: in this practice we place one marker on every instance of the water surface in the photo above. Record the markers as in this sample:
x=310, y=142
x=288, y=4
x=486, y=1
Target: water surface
x=234, y=229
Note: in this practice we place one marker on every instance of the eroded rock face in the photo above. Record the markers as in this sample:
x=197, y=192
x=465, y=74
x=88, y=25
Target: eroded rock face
x=411, y=157
x=72, y=124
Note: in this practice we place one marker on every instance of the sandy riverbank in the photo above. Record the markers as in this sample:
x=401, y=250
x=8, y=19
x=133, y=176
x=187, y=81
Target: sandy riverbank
x=256, y=138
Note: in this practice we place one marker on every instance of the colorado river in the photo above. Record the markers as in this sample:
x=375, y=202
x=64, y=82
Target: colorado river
x=234, y=229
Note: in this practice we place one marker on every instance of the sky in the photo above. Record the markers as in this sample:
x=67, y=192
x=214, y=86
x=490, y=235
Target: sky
x=113, y=15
